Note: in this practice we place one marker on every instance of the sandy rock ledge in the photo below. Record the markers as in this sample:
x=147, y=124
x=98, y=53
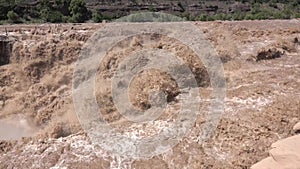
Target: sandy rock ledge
x=285, y=154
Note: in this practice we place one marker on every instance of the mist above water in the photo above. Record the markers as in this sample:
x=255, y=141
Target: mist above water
x=14, y=129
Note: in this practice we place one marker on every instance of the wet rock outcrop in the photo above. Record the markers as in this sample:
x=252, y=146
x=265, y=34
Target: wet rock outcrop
x=5, y=49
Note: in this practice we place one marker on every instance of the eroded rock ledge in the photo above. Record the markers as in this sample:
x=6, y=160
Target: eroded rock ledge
x=285, y=154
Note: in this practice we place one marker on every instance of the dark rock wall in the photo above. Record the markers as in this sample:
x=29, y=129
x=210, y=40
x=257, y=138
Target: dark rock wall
x=5, y=50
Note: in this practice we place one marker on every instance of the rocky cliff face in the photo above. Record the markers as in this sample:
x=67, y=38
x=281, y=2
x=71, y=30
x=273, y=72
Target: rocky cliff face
x=5, y=49
x=195, y=8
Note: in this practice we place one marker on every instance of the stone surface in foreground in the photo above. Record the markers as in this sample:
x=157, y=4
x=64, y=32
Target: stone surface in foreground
x=285, y=154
